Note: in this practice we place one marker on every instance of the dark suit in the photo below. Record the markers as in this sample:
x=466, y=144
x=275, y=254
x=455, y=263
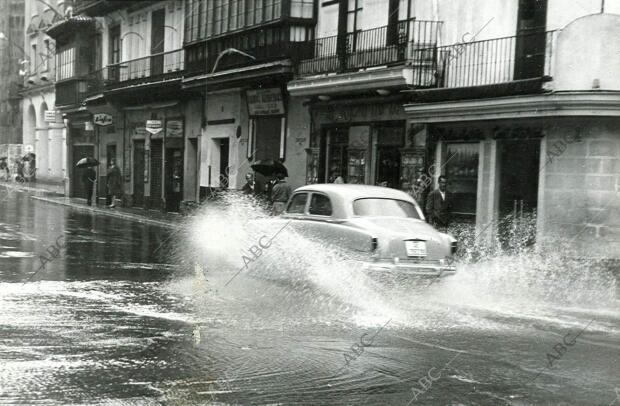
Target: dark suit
x=437, y=209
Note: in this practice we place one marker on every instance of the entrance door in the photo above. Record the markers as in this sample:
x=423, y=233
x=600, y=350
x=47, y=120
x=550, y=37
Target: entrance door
x=158, y=18
x=390, y=141
x=531, y=39
x=77, y=186
x=156, y=167
x=224, y=150
x=174, y=178
x=518, y=192
x=138, y=173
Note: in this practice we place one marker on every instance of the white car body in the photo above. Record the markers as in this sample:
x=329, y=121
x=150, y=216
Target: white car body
x=386, y=226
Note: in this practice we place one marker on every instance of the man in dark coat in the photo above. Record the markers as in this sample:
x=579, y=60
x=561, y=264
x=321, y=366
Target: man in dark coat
x=114, y=180
x=280, y=194
x=89, y=176
x=439, y=205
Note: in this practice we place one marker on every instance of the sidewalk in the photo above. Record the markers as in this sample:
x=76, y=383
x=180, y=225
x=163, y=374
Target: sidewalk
x=156, y=217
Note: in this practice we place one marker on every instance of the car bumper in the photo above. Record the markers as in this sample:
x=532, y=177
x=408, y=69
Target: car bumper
x=431, y=269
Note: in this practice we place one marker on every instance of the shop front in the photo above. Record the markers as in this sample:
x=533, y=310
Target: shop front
x=368, y=143
x=157, y=148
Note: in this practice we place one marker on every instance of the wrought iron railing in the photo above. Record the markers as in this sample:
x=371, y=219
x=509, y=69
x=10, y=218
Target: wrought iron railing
x=369, y=48
x=152, y=68
x=494, y=61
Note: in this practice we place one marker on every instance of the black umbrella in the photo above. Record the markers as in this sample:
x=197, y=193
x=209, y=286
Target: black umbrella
x=268, y=167
x=28, y=157
x=87, y=162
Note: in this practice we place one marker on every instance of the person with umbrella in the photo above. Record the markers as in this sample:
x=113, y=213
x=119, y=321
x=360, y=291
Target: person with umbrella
x=280, y=193
x=89, y=176
x=114, y=179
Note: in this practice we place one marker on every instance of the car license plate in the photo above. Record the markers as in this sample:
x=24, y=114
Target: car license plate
x=416, y=248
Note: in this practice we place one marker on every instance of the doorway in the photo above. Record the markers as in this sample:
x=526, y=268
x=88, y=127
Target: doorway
x=158, y=19
x=138, y=173
x=224, y=150
x=531, y=39
x=78, y=188
x=518, y=189
x=156, y=168
x=174, y=178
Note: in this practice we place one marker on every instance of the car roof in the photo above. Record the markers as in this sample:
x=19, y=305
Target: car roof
x=343, y=194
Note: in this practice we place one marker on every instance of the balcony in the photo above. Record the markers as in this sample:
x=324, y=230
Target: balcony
x=515, y=64
x=387, y=45
x=264, y=45
x=156, y=68
x=72, y=92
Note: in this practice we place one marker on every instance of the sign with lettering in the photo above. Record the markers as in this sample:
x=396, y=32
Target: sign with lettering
x=50, y=116
x=265, y=102
x=154, y=126
x=102, y=119
x=174, y=128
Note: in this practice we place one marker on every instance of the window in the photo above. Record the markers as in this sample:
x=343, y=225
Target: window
x=115, y=45
x=46, y=56
x=65, y=64
x=354, y=12
x=377, y=207
x=320, y=205
x=302, y=8
x=461, y=168
x=297, y=204
x=34, y=58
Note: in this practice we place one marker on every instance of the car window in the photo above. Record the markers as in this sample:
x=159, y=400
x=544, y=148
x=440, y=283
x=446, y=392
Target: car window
x=297, y=203
x=320, y=205
x=376, y=207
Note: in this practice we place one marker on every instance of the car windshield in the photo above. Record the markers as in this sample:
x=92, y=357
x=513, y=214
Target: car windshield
x=376, y=207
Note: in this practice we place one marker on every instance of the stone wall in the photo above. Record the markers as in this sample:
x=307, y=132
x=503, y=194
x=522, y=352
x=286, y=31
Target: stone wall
x=579, y=193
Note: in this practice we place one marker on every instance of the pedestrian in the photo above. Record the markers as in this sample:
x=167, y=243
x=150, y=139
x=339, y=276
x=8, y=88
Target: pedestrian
x=439, y=205
x=339, y=180
x=250, y=185
x=89, y=176
x=114, y=181
x=280, y=194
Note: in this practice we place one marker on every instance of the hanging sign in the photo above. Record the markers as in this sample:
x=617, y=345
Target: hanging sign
x=102, y=119
x=265, y=102
x=154, y=126
x=88, y=126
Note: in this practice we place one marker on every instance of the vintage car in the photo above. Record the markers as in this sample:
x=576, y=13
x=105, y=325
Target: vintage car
x=384, y=226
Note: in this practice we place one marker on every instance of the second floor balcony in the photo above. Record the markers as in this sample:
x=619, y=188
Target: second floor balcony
x=161, y=67
x=387, y=45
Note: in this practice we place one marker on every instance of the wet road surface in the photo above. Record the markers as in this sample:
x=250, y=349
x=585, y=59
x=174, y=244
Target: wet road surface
x=115, y=317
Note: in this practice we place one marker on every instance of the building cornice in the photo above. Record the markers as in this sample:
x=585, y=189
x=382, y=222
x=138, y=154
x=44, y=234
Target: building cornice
x=560, y=104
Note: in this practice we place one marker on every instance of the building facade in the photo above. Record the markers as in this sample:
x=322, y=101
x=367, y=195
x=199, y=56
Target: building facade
x=11, y=65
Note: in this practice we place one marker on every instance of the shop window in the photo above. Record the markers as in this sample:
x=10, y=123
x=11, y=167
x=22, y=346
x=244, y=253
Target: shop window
x=461, y=169
x=390, y=141
x=267, y=137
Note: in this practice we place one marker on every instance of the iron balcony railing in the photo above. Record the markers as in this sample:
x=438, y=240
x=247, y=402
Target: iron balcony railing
x=153, y=68
x=392, y=44
x=494, y=61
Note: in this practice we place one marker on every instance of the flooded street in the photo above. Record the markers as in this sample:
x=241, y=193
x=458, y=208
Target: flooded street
x=132, y=314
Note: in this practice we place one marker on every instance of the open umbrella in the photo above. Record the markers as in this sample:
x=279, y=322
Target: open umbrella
x=268, y=167
x=87, y=162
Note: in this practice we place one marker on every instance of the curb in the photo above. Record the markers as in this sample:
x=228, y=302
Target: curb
x=110, y=213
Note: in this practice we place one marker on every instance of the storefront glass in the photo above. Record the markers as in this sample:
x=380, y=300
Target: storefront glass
x=461, y=168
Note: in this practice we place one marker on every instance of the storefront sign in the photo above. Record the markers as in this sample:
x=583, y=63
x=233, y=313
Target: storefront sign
x=265, y=102
x=154, y=126
x=88, y=126
x=174, y=128
x=50, y=116
x=102, y=119
x=365, y=112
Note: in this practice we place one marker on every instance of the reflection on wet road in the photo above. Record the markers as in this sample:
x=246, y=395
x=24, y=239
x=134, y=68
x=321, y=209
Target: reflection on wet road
x=108, y=321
